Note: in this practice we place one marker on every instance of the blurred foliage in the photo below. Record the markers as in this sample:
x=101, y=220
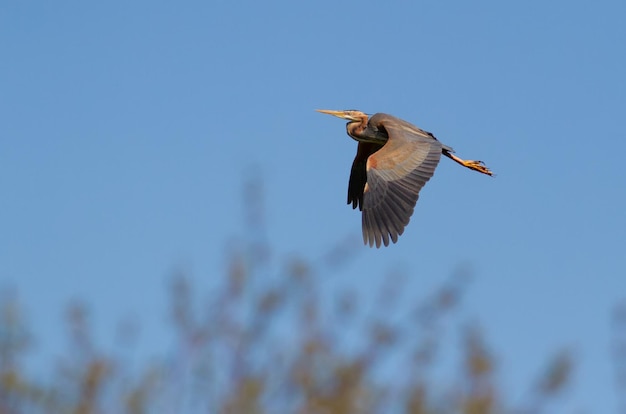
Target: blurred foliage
x=271, y=339
x=619, y=353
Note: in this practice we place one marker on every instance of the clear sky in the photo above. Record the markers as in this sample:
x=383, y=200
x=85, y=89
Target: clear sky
x=127, y=130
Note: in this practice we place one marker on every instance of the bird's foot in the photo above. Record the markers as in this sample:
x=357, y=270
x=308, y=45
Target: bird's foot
x=477, y=166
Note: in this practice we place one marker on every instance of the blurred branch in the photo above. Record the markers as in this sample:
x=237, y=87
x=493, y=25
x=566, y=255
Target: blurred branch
x=271, y=338
x=618, y=331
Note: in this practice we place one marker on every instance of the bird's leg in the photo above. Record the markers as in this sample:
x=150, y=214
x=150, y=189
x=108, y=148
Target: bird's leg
x=472, y=165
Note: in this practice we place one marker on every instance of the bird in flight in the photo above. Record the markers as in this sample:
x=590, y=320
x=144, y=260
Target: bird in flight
x=394, y=160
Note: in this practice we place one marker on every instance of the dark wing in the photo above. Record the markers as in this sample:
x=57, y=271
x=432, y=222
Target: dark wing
x=395, y=175
x=358, y=175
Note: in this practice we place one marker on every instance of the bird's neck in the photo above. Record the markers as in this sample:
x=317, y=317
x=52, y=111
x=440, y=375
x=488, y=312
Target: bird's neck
x=355, y=130
x=359, y=131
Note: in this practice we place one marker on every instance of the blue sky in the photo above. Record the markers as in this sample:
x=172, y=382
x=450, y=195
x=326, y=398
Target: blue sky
x=127, y=130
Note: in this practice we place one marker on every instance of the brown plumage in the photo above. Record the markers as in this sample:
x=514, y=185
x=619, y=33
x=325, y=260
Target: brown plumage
x=394, y=161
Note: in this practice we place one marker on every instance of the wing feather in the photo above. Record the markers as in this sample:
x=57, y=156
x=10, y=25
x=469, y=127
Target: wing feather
x=395, y=175
x=358, y=174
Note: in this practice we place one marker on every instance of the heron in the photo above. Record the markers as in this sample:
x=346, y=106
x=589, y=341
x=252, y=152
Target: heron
x=394, y=160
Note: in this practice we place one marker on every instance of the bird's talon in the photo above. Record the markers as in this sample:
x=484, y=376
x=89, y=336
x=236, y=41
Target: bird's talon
x=478, y=166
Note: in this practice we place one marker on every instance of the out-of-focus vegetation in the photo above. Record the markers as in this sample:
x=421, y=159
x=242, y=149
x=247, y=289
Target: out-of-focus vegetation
x=270, y=339
x=271, y=350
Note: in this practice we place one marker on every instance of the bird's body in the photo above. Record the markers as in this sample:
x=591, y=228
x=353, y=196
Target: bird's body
x=394, y=161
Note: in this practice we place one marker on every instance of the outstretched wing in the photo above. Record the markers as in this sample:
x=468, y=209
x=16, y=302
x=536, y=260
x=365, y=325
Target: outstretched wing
x=358, y=174
x=395, y=175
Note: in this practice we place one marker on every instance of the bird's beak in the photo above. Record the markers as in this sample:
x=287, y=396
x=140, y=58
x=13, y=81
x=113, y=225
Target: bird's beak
x=339, y=114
